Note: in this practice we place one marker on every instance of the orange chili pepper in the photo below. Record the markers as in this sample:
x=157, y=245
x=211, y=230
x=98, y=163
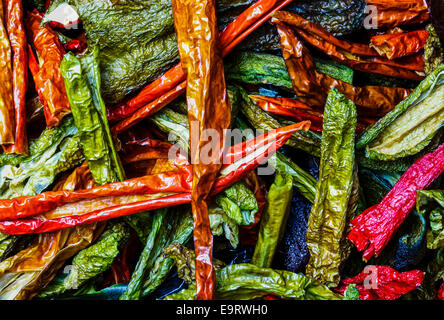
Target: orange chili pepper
x=17, y=38
x=312, y=87
x=399, y=45
x=48, y=80
x=355, y=55
x=391, y=13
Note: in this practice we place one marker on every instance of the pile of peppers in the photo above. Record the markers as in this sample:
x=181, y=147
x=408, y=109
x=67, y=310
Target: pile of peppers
x=312, y=171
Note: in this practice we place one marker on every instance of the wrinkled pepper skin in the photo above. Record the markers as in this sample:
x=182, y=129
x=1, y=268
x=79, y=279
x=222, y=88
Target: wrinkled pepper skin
x=209, y=108
x=331, y=209
x=173, y=82
x=312, y=87
x=273, y=220
x=372, y=229
x=390, y=14
x=234, y=170
x=355, y=55
x=6, y=98
x=13, y=13
x=399, y=45
x=48, y=80
x=385, y=283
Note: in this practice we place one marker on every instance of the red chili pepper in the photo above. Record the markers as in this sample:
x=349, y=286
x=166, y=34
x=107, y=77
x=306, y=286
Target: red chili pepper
x=48, y=80
x=399, y=45
x=267, y=143
x=383, y=283
x=355, y=55
x=47, y=4
x=390, y=14
x=75, y=45
x=171, y=84
x=372, y=229
x=17, y=38
x=440, y=295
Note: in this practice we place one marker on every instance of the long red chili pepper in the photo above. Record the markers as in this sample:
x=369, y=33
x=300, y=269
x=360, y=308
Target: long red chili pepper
x=271, y=141
x=372, y=229
x=355, y=55
x=48, y=80
x=383, y=283
x=171, y=84
x=399, y=45
x=17, y=38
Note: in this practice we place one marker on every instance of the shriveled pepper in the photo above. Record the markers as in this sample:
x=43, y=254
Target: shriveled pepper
x=172, y=84
x=312, y=87
x=17, y=37
x=372, y=229
x=390, y=14
x=234, y=169
x=355, y=55
x=208, y=109
x=383, y=283
x=48, y=80
x=6, y=98
x=399, y=45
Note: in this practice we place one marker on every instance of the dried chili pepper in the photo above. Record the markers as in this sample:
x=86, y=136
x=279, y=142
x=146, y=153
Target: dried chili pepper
x=383, y=283
x=312, y=87
x=48, y=80
x=235, y=169
x=171, y=85
x=355, y=55
x=399, y=45
x=440, y=295
x=390, y=14
x=6, y=98
x=209, y=109
x=373, y=228
x=17, y=38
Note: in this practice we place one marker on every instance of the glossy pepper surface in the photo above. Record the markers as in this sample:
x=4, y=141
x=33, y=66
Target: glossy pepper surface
x=373, y=228
x=48, y=79
x=312, y=87
x=13, y=13
x=398, y=45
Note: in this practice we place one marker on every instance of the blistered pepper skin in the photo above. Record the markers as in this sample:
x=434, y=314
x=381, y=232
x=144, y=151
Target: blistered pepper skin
x=399, y=45
x=17, y=38
x=372, y=229
x=48, y=80
x=312, y=87
x=383, y=283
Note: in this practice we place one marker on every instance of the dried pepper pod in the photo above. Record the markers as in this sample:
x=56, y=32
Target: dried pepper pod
x=383, y=283
x=433, y=51
x=372, y=229
x=273, y=220
x=431, y=205
x=6, y=97
x=390, y=14
x=13, y=14
x=411, y=125
x=208, y=108
x=312, y=87
x=358, y=56
x=48, y=78
x=333, y=205
x=398, y=45
x=239, y=161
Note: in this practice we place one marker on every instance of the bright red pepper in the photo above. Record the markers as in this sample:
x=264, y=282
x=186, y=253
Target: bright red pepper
x=75, y=45
x=383, y=283
x=237, y=169
x=17, y=38
x=372, y=229
x=399, y=45
x=440, y=295
x=171, y=84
